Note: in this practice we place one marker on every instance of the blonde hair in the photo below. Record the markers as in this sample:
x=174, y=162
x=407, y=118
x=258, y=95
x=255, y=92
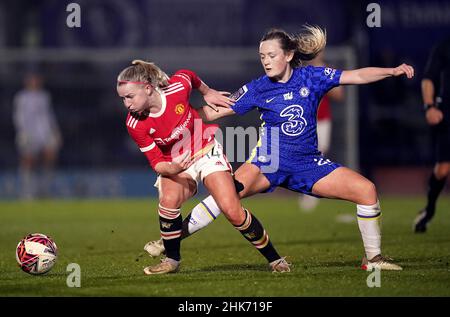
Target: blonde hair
x=143, y=72
x=306, y=45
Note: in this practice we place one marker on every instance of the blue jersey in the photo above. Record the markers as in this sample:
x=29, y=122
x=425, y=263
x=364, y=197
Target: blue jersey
x=289, y=110
x=287, y=151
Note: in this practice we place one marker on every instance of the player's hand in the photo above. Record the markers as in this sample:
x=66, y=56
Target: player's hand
x=181, y=163
x=434, y=116
x=404, y=69
x=214, y=99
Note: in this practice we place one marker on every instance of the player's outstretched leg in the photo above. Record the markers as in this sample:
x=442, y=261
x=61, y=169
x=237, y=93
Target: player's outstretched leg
x=201, y=216
x=369, y=225
x=346, y=184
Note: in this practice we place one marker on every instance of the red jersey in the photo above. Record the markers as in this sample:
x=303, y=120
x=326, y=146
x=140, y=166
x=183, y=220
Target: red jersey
x=176, y=128
x=324, y=112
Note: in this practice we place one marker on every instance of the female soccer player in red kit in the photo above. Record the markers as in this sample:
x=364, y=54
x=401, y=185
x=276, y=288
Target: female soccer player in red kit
x=182, y=150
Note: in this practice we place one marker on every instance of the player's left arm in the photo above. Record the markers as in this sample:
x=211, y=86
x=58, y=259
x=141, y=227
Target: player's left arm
x=213, y=98
x=372, y=74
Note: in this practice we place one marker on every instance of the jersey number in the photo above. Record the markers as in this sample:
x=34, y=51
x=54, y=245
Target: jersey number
x=296, y=124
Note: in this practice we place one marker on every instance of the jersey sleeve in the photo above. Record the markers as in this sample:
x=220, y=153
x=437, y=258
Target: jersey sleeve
x=246, y=98
x=146, y=145
x=325, y=78
x=188, y=78
x=435, y=64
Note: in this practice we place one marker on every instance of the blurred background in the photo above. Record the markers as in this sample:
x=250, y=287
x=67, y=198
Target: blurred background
x=378, y=129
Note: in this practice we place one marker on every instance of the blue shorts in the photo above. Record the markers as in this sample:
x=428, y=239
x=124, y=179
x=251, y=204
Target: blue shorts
x=302, y=178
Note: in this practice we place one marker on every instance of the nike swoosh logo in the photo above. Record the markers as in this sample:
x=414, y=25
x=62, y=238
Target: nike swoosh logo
x=269, y=100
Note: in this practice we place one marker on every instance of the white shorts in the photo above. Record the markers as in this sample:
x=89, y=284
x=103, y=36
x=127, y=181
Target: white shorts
x=213, y=161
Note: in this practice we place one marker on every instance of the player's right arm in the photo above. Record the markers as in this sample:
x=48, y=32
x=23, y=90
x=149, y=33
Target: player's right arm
x=154, y=155
x=178, y=165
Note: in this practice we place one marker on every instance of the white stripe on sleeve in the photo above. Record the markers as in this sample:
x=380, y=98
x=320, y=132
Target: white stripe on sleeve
x=147, y=148
x=185, y=77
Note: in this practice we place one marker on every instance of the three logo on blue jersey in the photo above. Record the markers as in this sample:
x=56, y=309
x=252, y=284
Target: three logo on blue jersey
x=296, y=124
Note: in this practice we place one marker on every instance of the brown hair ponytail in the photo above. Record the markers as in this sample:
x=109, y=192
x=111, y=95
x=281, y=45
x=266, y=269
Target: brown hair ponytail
x=306, y=45
x=144, y=72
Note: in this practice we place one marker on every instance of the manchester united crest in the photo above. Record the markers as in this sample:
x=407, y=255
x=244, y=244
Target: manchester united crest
x=179, y=109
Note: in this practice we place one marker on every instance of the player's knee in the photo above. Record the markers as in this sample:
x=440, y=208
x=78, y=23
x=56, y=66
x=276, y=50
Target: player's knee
x=170, y=200
x=364, y=192
x=237, y=217
x=368, y=192
x=234, y=213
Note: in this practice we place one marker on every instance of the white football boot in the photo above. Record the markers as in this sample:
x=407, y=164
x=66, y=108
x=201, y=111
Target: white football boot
x=155, y=248
x=379, y=262
x=280, y=266
x=166, y=265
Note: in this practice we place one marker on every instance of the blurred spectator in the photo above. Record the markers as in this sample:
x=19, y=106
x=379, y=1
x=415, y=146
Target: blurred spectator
x=38, y=137
x=324, y=127
x=436, y=98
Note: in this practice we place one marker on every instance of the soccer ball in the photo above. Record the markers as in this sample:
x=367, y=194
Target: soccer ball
x=36, y=253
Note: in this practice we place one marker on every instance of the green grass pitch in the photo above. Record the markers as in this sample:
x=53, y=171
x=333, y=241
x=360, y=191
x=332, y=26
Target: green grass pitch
x=106, y=237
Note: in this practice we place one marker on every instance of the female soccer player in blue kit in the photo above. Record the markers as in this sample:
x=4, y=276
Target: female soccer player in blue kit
x=287, y=98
